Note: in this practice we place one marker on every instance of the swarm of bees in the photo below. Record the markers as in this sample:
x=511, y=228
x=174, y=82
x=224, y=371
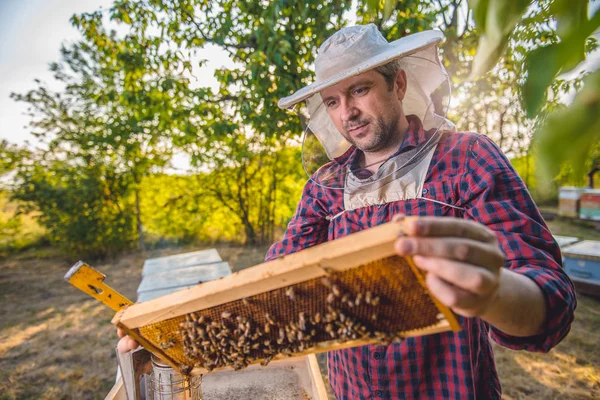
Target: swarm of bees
x=237, y=341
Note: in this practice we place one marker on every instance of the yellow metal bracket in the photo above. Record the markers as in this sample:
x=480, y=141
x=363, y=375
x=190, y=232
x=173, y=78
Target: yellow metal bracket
x=90, y=281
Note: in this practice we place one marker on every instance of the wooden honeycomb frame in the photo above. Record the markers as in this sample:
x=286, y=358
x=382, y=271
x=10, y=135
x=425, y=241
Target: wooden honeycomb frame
x=362, y=262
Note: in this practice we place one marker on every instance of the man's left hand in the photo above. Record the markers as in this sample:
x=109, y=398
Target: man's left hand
x=462, y=258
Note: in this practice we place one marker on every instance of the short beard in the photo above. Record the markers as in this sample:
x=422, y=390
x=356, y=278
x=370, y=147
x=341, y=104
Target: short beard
x=383, y=135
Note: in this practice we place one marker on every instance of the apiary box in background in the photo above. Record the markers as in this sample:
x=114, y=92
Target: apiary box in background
x=581, y=262
x=568, y=200
x=590, y=204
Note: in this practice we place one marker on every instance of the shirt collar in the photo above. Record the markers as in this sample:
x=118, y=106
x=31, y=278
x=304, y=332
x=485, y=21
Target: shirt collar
x=414, y=136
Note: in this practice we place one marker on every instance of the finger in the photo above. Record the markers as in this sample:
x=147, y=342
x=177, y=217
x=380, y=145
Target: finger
x=472, y=279
x=398, y=217
x=449, y=226
x=120, y=332
x=461, y=301
x=127, y=344
x=463, y=250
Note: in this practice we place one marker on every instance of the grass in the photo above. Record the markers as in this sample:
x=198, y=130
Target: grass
x=57, y=343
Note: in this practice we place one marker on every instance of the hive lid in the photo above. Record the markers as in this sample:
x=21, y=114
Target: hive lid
x=586, y=248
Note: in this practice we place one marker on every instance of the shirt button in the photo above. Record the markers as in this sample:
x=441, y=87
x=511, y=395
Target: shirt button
x=425, y=191
x=377, y=356
x=378, y=393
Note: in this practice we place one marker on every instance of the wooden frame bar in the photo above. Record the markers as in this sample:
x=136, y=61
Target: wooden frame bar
x=339, y=255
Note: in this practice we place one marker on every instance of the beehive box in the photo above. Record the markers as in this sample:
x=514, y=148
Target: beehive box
x=296, y=378
x=345, y=293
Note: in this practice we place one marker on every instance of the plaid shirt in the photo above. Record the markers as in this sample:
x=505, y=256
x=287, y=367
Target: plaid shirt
x=470, y=172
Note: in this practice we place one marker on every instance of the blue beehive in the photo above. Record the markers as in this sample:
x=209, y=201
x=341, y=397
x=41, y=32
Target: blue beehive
x=582, y=263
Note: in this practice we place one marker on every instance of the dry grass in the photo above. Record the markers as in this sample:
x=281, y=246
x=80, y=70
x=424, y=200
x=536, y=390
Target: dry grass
x=57, y=343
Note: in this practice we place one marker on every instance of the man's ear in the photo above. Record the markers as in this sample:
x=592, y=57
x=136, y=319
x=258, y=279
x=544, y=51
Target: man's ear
x=400, y=84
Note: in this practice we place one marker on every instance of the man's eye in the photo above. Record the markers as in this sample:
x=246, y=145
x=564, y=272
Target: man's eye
x=331, y=104
x=361, y=91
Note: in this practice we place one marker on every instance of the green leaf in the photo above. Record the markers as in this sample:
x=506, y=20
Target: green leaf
x=388, y=8
x=568, y=135
x=545, y=63
x=501, y=17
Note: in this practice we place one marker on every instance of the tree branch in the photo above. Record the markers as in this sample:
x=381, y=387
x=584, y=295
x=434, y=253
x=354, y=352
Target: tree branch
x=237, y=46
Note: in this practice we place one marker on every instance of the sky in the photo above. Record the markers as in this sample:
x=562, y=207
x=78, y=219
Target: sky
x=31, y=33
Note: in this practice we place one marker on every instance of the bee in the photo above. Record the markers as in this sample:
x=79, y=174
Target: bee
x=269, y=319
x=375, y=301
x=330, y=298
x=302, y=322
x=335, y=290
x=167, y=344
x=326, y=282
x=358, y=299
x=368, y=296
x=289, y=292
x=317, y=318
x=266, y=361
x=225, y=314
x=245, y=301
x=185, y=369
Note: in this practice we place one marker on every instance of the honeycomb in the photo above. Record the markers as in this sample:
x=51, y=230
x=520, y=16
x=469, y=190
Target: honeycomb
x=380, y=301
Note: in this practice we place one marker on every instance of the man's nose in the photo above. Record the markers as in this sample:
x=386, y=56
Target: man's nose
x=348, y=110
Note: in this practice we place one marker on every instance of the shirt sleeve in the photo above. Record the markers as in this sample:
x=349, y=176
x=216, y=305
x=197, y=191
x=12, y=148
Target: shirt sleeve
x=494, y=194
x=308, y=227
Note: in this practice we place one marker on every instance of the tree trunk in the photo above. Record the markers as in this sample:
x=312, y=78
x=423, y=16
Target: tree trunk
x=138, y=216
x=591, y=177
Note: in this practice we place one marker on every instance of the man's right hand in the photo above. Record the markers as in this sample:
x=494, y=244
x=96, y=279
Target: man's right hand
x=126, y=343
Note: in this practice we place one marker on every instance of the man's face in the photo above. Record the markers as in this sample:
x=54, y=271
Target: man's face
x=365, y=110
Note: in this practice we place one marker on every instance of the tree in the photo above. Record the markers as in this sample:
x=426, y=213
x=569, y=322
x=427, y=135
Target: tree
x=81, y=201
x=237, y=132
x=117, y=106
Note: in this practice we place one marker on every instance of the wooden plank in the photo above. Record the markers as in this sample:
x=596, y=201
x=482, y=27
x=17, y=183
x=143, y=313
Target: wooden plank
x=161, y=264
x=180, y=277
x=153, y=294
x=342, y=254
x=117, y=392
x=316, y=378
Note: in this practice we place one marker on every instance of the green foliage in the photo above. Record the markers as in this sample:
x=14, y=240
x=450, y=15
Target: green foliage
x=573, y=131
x=496, y=19
x=80, y=204
x=573, y=29
x=17, y=230
x=243, y=203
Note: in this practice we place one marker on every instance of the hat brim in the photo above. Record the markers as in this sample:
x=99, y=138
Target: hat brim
x=399, y=48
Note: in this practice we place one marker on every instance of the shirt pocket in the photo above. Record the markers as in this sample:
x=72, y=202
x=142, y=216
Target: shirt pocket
x=440, y=198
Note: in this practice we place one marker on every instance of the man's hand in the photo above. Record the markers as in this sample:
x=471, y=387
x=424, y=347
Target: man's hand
x=464, y=271
x=125, y=343
x=462, y=258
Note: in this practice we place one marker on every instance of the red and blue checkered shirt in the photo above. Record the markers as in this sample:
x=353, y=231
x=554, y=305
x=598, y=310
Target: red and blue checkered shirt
x=470, y=172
